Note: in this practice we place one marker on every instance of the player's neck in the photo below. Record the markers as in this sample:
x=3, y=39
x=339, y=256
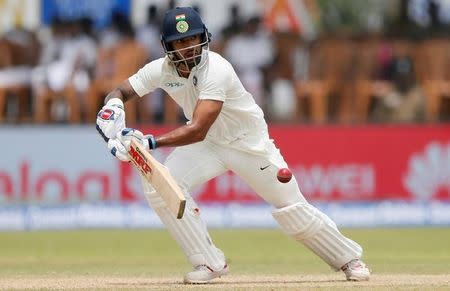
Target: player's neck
x=182, y=72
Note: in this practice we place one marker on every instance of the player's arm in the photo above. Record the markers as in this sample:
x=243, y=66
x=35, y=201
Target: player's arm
x=124, y=92
x=111, y=118
x=205, y=113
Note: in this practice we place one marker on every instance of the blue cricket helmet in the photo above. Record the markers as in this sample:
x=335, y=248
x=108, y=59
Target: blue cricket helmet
x=182, y=22
x=179, y=23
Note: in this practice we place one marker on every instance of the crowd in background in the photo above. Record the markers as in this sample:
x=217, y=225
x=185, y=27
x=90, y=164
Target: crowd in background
x=400, y=74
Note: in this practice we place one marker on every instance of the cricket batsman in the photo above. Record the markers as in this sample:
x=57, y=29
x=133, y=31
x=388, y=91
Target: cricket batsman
x=226, y=131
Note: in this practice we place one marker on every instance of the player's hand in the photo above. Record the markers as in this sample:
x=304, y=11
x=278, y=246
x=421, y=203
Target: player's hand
x=127, y=134
x=111, y=119
x=118, y=150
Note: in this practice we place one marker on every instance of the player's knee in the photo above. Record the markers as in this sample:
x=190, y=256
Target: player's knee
x=300, y=220
x=284, y=195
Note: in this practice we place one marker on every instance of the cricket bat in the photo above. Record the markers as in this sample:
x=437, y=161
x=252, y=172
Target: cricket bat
x=159, y=177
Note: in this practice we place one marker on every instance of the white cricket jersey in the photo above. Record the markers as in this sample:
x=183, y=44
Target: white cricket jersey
x=241, y=122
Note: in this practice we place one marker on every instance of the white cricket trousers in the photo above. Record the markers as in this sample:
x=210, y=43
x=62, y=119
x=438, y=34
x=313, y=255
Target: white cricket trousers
x=197, y=163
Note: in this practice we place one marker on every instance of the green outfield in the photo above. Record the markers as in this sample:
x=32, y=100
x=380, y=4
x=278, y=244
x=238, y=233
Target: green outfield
x=149, y=259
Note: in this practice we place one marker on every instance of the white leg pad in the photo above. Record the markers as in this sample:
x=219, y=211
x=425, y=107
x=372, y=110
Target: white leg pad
x=189, y=232
x=317, y=232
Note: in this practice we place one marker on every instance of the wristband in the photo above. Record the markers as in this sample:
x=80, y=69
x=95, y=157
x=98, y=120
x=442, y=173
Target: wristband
x=152, y=142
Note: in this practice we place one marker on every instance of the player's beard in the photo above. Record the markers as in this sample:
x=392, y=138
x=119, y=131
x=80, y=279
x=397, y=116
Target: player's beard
x=188, y=65
x=185, y=64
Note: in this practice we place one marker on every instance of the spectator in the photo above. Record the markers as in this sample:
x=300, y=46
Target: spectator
x=65, y=68
x=250, y=52
x=403, y=101
x=149, y=36
x=110, y=36
x=235, y=23
x=403, y=25
x=19, y=49
x=290, y=63
x=114, y=64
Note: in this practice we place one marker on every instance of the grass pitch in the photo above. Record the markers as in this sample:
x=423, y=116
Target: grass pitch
x=259, y=260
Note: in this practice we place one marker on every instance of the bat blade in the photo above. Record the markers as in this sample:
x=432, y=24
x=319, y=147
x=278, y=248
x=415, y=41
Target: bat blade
x=159, y=177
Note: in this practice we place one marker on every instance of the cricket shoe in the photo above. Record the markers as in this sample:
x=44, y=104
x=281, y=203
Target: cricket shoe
x=202, y=274
x=356, y=270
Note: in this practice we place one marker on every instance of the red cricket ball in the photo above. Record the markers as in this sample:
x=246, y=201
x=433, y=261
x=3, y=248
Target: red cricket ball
x=284, y=175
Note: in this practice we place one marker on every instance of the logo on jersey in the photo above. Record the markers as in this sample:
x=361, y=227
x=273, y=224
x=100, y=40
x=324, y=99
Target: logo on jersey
x=182, y=26
x=194, y=80
x=174, y=84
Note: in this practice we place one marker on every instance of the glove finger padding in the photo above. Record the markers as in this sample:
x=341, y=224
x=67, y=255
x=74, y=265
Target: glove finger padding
x=111, y=118
x=127, y=135
x=118, y=150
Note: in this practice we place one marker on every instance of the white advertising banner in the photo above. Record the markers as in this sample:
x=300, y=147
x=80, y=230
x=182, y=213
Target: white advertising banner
x=64, y=178
x=55, y=165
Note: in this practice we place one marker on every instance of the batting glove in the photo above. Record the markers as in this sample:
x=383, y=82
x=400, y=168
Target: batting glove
x=118, y=150
x=127, y=134
x=111, y=119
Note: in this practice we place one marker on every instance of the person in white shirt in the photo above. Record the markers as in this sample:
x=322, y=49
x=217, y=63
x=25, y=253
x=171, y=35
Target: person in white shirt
x=250, y=52
x=226, y=131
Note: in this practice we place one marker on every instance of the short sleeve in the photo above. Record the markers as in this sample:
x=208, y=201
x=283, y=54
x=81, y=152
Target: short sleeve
x=147, y=78
x=215, y=84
